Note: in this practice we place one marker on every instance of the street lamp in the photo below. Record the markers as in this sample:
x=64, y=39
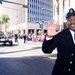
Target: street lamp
x=41, y=25
x=42, y=22
x=43, y=16
x=42, y=13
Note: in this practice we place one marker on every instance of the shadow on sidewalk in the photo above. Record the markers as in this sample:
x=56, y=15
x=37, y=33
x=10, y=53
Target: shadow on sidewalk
x=36, y=65
x=33, y=48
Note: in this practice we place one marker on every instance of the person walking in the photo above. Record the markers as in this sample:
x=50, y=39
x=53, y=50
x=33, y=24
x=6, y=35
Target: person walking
x=24, y=38
x=64, y=41
x=16, y=38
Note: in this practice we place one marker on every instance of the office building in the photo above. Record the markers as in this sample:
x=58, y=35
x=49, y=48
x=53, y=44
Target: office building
x=26, y=20
x=40, y=10
x=60, y=9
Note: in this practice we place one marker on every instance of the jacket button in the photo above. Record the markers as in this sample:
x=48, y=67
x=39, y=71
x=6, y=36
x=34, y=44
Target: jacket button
x=72, y=54
x=69, y=69
x=70, y=62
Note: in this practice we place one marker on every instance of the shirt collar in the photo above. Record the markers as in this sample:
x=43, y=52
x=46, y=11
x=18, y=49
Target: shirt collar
x=72, y=33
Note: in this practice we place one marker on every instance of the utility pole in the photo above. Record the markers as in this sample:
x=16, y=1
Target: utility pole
x=41, y=25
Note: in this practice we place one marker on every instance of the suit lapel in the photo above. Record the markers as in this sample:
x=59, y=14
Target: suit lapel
x=69, y=39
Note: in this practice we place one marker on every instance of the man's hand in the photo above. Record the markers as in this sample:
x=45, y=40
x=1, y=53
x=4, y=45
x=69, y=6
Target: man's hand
x=51, y=30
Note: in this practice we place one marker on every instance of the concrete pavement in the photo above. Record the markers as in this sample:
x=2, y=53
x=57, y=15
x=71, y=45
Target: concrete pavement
x=21, y=49
x=25, y=59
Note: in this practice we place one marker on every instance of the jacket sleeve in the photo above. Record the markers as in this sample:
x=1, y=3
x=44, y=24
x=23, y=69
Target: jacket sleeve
x=49, y=45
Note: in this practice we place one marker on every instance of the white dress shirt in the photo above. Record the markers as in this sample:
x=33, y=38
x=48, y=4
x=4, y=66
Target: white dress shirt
x=72, y=33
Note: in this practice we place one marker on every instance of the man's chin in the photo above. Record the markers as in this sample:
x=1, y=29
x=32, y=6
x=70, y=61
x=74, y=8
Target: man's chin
x=73, y=29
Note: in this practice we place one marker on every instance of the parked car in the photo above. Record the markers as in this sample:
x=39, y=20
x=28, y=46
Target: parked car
x=5, y=40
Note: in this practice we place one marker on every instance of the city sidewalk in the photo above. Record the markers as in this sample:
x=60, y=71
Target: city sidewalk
x=22, y=49
x=25, y=59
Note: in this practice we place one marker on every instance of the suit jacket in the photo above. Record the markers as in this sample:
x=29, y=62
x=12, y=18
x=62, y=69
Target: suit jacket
x=65, y=62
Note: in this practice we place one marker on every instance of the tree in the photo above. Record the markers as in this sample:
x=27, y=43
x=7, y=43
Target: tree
x=39, y=32
x=4, y=20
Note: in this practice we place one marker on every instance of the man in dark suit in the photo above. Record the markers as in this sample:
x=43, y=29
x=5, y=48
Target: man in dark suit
x=16, y=38
x=24, y=38
x=65, y=44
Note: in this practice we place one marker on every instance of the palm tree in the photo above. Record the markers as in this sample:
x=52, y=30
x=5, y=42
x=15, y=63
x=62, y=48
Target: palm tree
x=0, y=25
x=4, y=20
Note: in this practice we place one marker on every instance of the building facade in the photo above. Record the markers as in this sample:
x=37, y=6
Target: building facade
x=26, y=20
x=40, y=10
x=60, y=9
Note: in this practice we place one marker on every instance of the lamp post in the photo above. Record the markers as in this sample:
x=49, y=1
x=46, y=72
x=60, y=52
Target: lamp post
x=41, y=25
x=42, y=13
x=42, y=21
x=44, y=10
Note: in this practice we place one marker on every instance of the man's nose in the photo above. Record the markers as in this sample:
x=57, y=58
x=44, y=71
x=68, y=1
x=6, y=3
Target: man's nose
x=72, y=22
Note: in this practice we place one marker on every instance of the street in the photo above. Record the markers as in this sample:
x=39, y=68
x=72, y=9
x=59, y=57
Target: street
x=25, y=59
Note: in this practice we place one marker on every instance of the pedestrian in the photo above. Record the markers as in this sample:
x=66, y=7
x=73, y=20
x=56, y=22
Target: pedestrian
x=64, y=41
x=24, y=38
x=16, y=38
